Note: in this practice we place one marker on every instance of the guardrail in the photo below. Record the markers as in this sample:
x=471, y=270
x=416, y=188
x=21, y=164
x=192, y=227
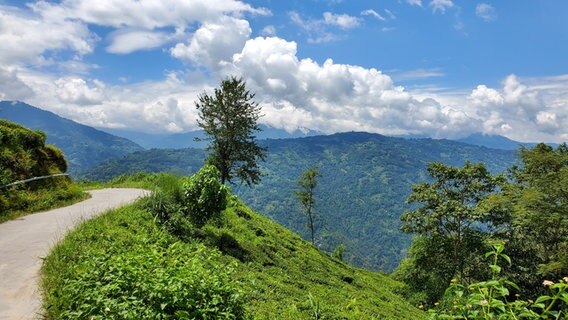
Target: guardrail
x=33, y=179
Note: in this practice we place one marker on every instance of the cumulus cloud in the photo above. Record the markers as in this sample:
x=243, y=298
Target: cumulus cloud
x=76, y=91
x=441, y=5
x=215, y=42
x=339, y=96
x=486, y=12
x=522, y=111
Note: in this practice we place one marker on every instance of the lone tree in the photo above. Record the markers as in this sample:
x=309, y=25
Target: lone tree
x=307, y=184
x=229, y=119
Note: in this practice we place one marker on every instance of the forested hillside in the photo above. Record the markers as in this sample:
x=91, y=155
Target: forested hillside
x=83, y=146
x=365, y=179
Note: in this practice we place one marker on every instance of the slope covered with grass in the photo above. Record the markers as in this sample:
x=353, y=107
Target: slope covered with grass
x=125, y=265
x=25, y=155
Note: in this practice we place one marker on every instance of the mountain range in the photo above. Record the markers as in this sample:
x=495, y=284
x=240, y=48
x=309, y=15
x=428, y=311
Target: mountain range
x=364, y=181
x=187, y=139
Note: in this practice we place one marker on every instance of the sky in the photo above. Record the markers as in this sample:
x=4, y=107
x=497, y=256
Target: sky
x=439, y=68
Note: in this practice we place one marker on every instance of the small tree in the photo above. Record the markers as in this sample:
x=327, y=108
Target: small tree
x=229, y=119
x=307, y=184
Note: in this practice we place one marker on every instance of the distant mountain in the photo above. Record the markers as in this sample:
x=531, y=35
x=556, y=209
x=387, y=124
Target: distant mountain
x=364, y=181
x=187, y=139
x=82, y=145
x=496, y=142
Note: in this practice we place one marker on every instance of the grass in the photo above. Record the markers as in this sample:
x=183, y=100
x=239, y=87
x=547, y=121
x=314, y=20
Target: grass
x=22, y=202
x=250, y=261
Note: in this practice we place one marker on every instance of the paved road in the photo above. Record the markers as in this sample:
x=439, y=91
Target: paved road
x=25, y=241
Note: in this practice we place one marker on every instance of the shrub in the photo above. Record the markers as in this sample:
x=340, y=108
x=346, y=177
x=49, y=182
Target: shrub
x=204, y=195
x=128, y=274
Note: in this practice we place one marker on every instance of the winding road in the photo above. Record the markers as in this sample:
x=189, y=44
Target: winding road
x=24, y=242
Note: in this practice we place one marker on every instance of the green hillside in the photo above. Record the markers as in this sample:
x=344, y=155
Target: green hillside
x=24, y=155
x=123, y=265
x=83, y=146
x=364, y=181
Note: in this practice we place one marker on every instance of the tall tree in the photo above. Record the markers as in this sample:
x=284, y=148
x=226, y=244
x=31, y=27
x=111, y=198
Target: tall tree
x=451, y=223
x=308, y=183
x=229, y=118
x=540, y=205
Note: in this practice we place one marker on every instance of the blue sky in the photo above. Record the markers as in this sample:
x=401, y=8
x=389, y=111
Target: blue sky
x=443, y=68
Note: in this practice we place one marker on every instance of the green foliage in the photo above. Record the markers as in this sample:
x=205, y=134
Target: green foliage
x=308, y=183
x=337, y=253
x=273, y=273
x=535, y=202
x=452, y=226
x=204, y=197
x=493, y=299
x=229, y=119
x=122, y=266
x=24, y=155
x=540, y=205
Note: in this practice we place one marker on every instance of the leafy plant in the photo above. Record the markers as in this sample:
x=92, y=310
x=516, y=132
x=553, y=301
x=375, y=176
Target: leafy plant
x=204, y=197
x=493, y=299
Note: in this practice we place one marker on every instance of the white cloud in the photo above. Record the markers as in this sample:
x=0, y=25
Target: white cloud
x=415, y=2
x=483, y=96
x=441, y=5
x=150, y=14
x=371, y=12
x=76, y=91
x=486, y=12
x=29, y=36
x=268, y=31
x=214, y=43
x=318, y=29
x=26, y=37
x=418, y=74
x=390, y=14
x=336, y=96
x=126, y=41
x=12, y=87
x=343, y=21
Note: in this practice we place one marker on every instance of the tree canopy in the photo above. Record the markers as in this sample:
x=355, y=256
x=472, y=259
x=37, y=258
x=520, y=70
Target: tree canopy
x=229, y=118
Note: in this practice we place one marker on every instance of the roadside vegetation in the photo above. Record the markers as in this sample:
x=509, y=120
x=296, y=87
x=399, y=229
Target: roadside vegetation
x=155, y=259
x=24, y=155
